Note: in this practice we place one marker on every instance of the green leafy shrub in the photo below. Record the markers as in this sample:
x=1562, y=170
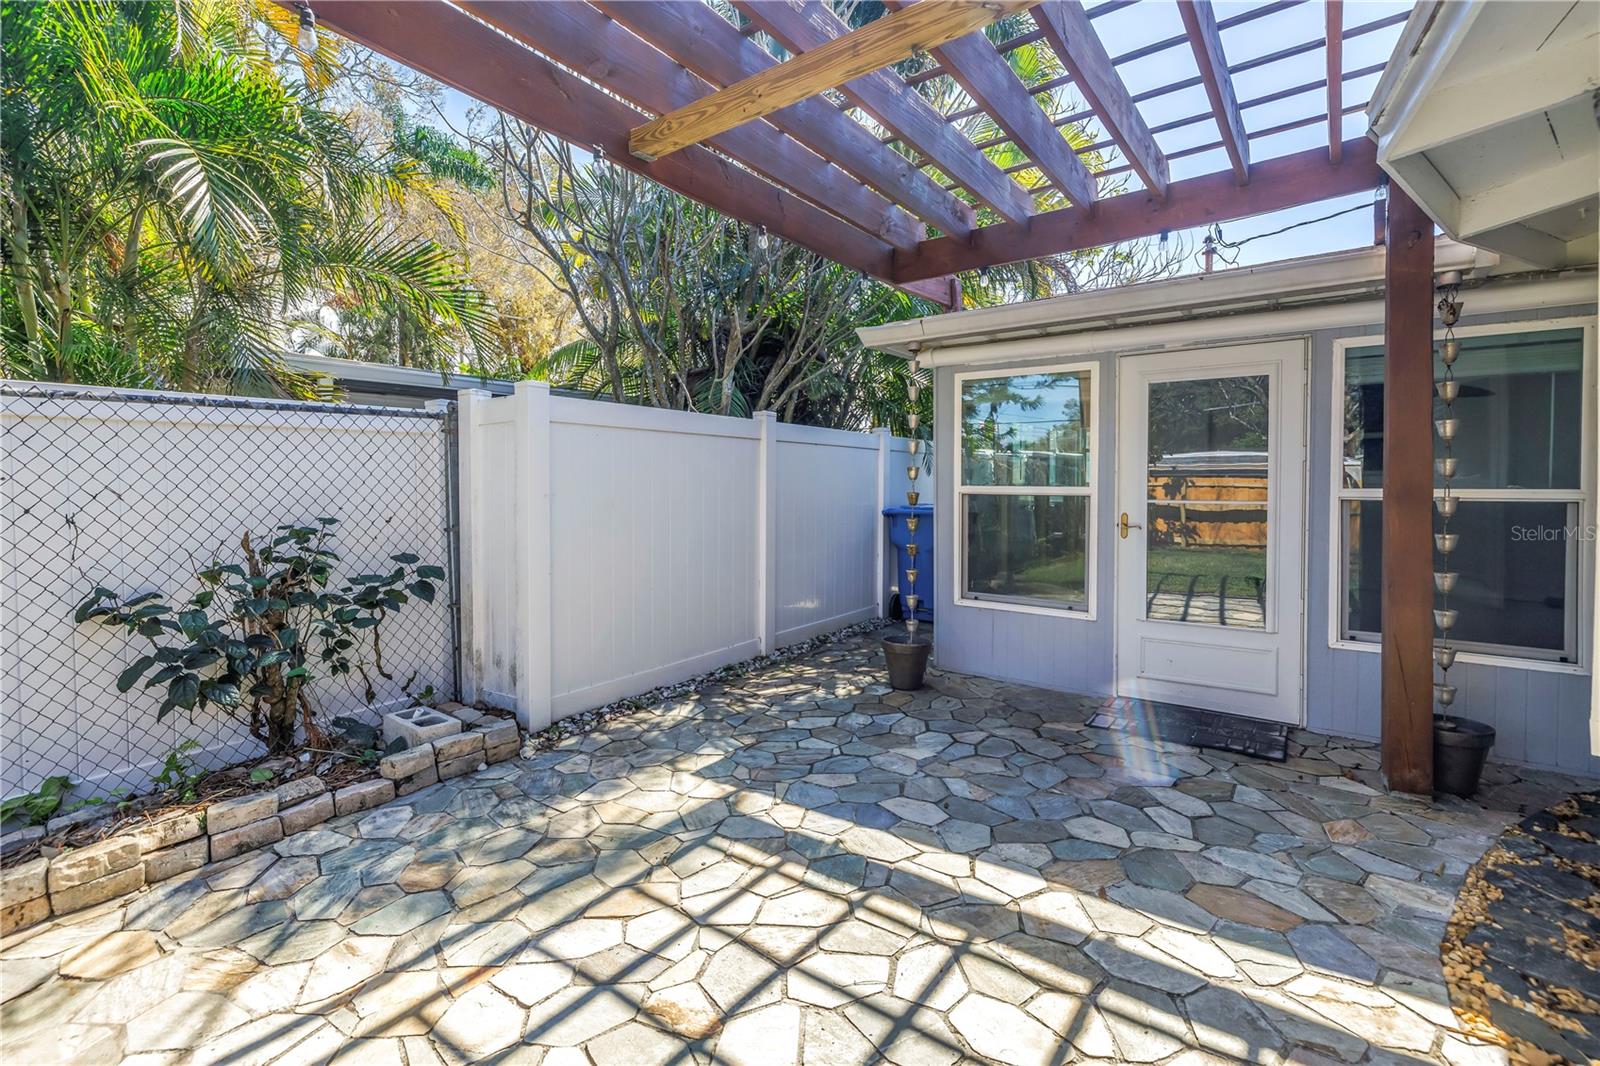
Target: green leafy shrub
x=260, y=631
x=180, y=774
x=37, y=807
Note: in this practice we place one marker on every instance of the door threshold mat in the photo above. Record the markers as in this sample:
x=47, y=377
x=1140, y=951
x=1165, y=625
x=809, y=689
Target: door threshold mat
x=1197, y=728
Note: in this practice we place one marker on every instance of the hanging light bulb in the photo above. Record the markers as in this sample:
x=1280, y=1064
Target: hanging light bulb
x=306, y=38
x=761, y=238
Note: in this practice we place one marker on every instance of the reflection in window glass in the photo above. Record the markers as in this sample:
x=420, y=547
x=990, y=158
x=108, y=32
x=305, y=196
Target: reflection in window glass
x=1521, y=411
x=1027, y=548
x=1026, y=429
x=1207, y=563
x=1514, y=558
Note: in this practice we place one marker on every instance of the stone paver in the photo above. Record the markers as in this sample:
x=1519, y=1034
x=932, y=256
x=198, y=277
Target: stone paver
x=805, y=867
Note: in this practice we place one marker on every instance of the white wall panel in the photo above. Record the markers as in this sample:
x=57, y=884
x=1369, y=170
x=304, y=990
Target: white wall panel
x=653, y=542
x=826, y=524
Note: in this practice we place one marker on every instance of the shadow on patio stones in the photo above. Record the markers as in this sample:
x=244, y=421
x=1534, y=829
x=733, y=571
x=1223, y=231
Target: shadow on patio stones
x=968, y=872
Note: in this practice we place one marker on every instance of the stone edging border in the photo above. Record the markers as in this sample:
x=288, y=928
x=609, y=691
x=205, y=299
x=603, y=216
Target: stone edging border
x=183, y=841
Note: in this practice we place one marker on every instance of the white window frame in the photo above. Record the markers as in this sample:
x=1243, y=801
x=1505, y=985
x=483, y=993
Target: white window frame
x=1580, y=578
x=960, y=598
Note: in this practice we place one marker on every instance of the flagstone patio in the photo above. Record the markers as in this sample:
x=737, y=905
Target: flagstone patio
x=805, y=867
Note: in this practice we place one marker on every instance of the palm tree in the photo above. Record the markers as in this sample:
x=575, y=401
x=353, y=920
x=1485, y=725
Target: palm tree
x=174, y=186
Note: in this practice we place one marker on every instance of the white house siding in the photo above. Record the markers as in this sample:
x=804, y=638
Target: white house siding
x=1541, y=715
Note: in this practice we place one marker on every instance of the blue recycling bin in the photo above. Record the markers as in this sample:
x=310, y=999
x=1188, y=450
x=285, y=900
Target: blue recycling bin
x=900, y=535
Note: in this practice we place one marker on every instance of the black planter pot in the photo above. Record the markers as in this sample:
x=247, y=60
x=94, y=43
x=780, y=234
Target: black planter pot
x=908, y=660
x=1460, y=748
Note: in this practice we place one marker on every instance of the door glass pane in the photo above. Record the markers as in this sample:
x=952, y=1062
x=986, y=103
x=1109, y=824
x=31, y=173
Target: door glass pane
x=1207, y=563
x=1026, y=429
x=1521, y=411
x=1206, y=520
x=1027, y=548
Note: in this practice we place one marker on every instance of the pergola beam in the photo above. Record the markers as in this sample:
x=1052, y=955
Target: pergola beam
x=704, y=42
x=896, y=36
x=1067, y=29
x=1287, y=181
x=451, y=46
x=985, y=75
x=803, y=25
x=1205, y=39
x=586, y=41
x=1334, y=13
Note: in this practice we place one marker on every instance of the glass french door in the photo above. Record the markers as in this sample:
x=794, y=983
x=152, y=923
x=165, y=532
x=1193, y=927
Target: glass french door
x=1210, y=527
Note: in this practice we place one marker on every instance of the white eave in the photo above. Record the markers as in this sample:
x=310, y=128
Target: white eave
x=1486, y=116
x=408, y=380
x=1292, y=283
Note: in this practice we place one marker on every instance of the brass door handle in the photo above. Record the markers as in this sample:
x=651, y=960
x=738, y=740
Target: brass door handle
x=1123, y=525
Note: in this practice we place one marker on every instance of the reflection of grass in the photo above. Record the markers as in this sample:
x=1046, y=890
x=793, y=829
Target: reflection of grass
x=1050, y=579
x=1173, y=568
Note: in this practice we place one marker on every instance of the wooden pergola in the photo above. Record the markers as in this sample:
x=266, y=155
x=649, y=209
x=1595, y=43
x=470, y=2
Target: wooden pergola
x=786, y=118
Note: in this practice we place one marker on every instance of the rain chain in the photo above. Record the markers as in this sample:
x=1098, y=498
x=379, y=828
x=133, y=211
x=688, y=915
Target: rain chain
x=913, y=446
x=1444, y=579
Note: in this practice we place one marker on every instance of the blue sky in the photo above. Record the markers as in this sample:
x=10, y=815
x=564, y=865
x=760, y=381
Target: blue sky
x=1140, y=24
x=1129, y=28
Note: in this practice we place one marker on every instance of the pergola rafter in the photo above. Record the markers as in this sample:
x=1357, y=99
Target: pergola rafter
x=986, y=76
x=764, y=116
x=702, y=41
x=581, y=38
x=1206, y=39
x=800, y=25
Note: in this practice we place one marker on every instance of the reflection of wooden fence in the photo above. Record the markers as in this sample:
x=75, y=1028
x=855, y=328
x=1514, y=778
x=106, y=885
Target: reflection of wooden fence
x=1208, y=510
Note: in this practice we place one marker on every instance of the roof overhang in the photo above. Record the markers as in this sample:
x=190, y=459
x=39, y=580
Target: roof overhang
x=1486, y=116
x=1271, y=286
x=355, y=375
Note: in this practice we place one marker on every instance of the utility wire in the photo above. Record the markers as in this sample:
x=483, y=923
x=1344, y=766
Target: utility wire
x=1215, y=241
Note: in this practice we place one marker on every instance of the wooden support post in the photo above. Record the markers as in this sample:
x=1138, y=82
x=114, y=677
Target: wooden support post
x=1407, y=757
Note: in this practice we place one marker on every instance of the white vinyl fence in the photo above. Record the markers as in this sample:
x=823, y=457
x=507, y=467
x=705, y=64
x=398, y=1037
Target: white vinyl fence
x=604, y=549
x=135, y=491
x=609, y=549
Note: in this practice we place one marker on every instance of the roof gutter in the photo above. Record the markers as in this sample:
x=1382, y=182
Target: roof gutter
x=1258, y=288
x=1565, y=291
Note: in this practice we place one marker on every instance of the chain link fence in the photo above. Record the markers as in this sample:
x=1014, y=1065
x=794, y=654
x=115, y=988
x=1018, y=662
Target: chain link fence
x=136, y=492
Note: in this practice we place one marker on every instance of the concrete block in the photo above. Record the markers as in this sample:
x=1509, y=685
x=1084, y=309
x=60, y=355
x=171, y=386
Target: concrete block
x=305, y=815
x=179, y=859
x=363, y=795
x=83, y=865
x=22, y=883
x=403, y=764
x=14, y=916
x=460, y=767
x=448, y=749
x=231, y=842
x=233, y=813
x=18, y=839
x=418, y=725
x=299, y=790
x=82, y=816
x=500, y=731
x=502, y=752
x=168, y=830
x=417, y=781
x=89, y=893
